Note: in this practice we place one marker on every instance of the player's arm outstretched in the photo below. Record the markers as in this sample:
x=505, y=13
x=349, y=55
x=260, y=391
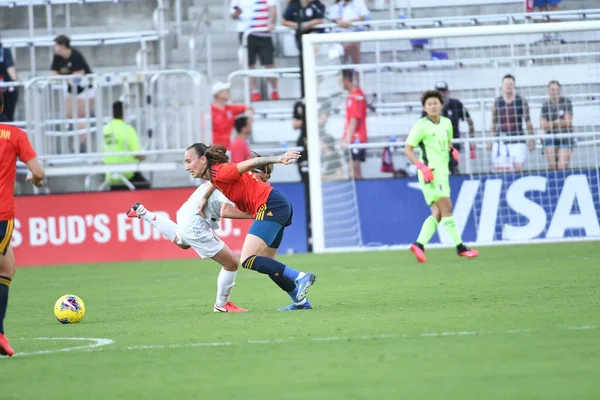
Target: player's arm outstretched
x=258, y=162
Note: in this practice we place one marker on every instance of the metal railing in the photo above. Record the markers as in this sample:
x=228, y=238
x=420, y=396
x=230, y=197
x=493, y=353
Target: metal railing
x=523, y=18
x=164, y=107
x=102, y=38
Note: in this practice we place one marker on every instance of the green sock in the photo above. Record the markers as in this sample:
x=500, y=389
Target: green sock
x=450, y=226
x=427, y=230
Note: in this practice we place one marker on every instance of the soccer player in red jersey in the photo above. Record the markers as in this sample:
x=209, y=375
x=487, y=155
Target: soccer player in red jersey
x=272, y=213
x=13, y=143
x=355, y=128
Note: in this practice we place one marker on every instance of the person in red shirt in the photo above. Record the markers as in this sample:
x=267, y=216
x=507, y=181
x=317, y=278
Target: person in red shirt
x=272, y=213
x=13, y=144
x=240, y=149
x=355, y=128
x=223, y=115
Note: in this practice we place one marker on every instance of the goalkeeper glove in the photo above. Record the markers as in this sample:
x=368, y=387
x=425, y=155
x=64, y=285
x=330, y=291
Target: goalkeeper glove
x=426, y=171
x=455, y=154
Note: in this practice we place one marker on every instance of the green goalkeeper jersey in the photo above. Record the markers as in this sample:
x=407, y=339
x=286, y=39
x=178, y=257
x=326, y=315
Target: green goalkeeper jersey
x=433, y=141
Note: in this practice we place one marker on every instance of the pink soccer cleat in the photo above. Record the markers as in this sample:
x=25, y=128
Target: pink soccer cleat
x=229, y=307
x=136, y=211
x=419, y=252
x=5, y=349
x=468, y=253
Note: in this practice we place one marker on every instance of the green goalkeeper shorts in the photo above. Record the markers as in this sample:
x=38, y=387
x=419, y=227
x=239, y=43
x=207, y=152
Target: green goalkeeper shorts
x=436, y=189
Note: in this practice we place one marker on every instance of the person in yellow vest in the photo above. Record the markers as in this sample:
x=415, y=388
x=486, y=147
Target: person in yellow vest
x=120, y=137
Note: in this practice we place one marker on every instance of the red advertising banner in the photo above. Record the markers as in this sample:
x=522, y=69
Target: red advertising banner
x=93, y=227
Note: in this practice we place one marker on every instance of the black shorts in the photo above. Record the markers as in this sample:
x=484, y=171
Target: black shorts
x=261, y=47
x=6, y=231
x=277, y=209
x=359, y=155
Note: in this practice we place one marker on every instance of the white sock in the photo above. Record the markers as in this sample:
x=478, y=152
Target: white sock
x=164, y=225
x=225, y=283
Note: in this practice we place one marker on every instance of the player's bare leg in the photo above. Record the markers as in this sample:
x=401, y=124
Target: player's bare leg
x=226, y=281
x=7, y=271
x=564, y=159
x=551, y=157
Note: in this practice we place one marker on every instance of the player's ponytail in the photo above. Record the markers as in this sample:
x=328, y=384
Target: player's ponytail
x=215, y=155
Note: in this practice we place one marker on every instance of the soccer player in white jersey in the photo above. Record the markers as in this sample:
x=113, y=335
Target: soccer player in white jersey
x=191, y=230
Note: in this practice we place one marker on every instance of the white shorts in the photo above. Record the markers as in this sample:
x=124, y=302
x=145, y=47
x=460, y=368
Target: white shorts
x=506, y=155
x=196, y=233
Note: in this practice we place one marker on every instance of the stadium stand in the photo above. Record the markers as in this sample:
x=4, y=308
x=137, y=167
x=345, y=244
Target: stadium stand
x=203, y=26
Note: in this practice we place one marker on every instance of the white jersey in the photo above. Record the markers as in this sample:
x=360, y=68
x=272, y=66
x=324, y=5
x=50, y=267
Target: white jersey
x=189, y=213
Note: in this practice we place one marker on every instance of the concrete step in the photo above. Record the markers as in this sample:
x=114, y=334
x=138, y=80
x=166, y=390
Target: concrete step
x=108, y=14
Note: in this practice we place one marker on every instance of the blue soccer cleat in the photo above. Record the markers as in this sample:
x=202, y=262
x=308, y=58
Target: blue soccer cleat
x=302, y=285
x=294, y=307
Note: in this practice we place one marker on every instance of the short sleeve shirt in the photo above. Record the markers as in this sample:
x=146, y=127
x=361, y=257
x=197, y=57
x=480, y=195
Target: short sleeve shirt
x=14, y=145
x=223, y=120
x=356, y=107
x=557, y=111
x=67, y=66
x=433, y=140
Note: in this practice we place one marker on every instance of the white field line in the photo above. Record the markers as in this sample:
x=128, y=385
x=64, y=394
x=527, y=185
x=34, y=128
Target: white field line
x=99, y=344
x=96, y=343
x=354, y=338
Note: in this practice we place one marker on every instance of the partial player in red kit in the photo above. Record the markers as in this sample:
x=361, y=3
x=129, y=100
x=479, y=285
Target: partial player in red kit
x=13, y=143
x=355, y=128
x=272, y=213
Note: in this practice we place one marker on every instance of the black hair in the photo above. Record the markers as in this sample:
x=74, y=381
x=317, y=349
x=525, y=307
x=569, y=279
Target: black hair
x=554, y=81
x=63, y=40
x=432, y=93
x=348, y=74
x=509, y=76
x=1, y=101
x=117, y=110
x=240, y=123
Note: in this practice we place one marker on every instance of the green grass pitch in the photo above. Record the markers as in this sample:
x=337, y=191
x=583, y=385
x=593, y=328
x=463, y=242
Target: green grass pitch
x=519, y=322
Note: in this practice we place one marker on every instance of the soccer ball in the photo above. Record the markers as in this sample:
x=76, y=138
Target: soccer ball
x=69, y=309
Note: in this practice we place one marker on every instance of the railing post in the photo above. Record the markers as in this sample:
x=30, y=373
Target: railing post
x=31, y=19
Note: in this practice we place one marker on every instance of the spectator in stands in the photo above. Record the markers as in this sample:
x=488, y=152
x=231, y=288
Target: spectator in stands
x=455, y=111
x=355, y=129
x=344, y=13
x=257, y=14
x=557, y=118
x=69, y=61
x=313, y=14
x=224, y=114
x=240, y=149
x=120, y=137
x=8, y=73
x=508, y=113
x=546, y=5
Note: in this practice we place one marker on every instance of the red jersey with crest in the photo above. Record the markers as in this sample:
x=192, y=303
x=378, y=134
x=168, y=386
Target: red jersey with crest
x=356, y=107
x=13, y=143
x=245, y=190
x=223, y=120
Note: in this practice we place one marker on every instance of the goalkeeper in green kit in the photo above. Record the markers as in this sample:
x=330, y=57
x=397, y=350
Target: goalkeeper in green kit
x=432, y=134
